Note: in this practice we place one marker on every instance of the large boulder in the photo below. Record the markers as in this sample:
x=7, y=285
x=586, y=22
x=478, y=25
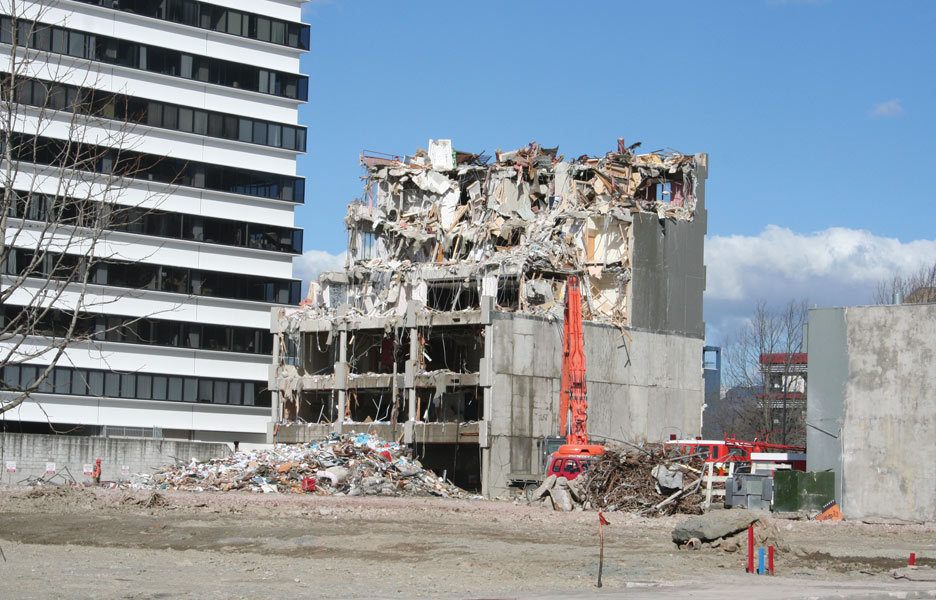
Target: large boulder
x=716, y=524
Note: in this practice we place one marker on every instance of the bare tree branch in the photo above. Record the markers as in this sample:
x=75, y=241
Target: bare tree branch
x=766, y=396
x=914, y=288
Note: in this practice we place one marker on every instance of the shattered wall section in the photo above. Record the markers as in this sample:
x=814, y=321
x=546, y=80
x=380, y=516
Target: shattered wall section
x=513, y=228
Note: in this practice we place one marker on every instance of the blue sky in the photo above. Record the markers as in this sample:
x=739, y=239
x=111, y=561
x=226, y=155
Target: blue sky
x=817, y=116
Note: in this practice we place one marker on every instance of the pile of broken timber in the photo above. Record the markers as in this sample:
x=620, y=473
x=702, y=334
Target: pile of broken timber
x=654, y=480
x=647, y=481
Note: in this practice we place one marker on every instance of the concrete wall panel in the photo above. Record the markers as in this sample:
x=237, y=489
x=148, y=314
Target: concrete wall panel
x=872, y=408
x=638, y=388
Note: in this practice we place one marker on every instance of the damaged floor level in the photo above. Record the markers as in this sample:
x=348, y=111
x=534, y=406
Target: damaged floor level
x=443, y=228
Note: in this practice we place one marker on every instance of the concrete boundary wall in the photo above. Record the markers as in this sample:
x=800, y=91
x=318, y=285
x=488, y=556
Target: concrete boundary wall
x=871, y=413
x=70, y=453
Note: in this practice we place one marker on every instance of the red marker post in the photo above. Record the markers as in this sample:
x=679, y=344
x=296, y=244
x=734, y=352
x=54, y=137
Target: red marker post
x=912, y=558
x=750, y=549
x=770, y=559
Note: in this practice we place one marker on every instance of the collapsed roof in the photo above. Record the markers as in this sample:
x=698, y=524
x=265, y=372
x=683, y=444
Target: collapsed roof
x=443, y=227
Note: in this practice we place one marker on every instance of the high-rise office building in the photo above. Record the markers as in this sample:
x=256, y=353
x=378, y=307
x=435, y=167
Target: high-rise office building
x=181, y=306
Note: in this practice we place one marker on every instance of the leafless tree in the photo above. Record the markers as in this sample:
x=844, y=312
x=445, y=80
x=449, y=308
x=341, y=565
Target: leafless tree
x=66, y=163
x=761, y=367
x=917, y=287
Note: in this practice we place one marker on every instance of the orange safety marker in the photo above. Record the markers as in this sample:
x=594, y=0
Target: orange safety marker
x=831, y=513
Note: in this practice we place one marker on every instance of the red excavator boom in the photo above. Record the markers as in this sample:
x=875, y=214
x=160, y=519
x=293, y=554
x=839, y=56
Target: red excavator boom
x=573, y=405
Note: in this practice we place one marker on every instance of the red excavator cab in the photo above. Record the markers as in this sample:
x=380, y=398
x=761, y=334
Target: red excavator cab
x=571, y=460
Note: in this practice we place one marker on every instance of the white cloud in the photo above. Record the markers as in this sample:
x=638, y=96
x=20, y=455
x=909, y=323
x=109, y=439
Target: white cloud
x=836, y=266
x=891, y=108
x=313, y=262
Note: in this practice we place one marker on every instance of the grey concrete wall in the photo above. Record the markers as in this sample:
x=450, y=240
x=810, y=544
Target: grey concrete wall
x=32, y=451
x=642, y=386
x=886, y=396
x=825, y=408
x=669, y=271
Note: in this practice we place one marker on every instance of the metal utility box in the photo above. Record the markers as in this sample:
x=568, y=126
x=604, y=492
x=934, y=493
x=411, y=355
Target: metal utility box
x=799, y=490
x=749, y=491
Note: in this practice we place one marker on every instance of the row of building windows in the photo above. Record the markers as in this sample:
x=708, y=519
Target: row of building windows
x=151, y=167
x=216, y=18
x=160, y=223
x=58, y=96
x=114, y=51
x=56, y=323
x=140, y=386
x=144, y=276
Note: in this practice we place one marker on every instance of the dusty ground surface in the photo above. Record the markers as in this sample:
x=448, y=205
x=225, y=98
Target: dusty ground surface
x=73, y=543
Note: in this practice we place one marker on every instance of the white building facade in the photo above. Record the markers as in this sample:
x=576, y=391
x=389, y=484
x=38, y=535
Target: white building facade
x=214, y=91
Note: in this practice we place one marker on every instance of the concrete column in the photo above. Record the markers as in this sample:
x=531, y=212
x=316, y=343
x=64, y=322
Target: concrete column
x=414, y=360
x=487, y=410
x=342, y=392
x=274, y=375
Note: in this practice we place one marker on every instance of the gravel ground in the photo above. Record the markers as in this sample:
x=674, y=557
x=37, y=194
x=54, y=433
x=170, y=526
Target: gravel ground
x=82, y=543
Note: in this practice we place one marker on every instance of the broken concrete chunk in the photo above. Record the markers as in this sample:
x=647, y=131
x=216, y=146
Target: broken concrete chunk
x=562, y=499
x=668, y=478
x=539, y=292
x=441, y=155
x=716, y=524
x=544, y=487
x=433, y=181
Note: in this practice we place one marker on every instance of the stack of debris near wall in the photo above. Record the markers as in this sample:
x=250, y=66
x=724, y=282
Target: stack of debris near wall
x=340, y=465
x=650, y=481
x=443, y=227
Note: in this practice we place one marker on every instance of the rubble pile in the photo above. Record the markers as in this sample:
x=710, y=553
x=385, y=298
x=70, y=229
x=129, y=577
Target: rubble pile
x=651, y=481
x=349, y=465
x=648, y=481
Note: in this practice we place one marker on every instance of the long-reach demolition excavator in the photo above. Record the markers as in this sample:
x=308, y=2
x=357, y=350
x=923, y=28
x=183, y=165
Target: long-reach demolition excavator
x=576, y=455
x=571, y=459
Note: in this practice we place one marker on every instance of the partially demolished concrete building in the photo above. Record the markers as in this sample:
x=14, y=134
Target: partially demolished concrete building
x=445, y=329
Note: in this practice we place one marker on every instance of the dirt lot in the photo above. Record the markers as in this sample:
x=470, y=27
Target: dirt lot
x=75, y=543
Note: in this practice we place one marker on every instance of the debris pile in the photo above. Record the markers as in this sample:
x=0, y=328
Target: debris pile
x=649, y=481
x=342, y=465
x=652, y=481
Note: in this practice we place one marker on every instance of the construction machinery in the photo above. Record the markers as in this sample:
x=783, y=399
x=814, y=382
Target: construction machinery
x=573, y=399
x=574, y=457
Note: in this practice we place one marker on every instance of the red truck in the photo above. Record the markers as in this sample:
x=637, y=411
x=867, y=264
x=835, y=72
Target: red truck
x=571, y=461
